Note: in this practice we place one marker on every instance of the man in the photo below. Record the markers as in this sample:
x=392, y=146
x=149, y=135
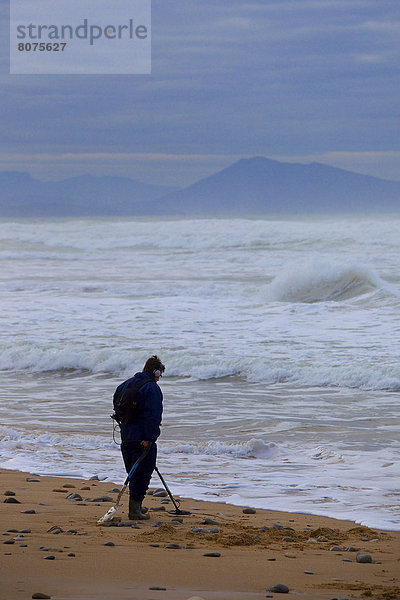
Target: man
x=142, y=432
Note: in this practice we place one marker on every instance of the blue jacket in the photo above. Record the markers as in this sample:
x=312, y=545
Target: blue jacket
x=147, y=425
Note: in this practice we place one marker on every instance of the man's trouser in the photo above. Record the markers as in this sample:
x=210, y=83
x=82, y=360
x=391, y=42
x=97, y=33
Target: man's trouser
x=140, y=479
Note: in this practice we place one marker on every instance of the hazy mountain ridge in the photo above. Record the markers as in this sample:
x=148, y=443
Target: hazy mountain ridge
x=250, y=187
x=21, y=195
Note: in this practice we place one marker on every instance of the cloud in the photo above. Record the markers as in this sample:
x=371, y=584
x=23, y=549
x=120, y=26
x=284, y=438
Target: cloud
x=229, y=78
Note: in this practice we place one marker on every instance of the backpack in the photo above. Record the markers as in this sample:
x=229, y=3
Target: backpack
x=126, y=404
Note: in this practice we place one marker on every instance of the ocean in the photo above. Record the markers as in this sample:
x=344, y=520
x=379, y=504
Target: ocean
x=280, y=336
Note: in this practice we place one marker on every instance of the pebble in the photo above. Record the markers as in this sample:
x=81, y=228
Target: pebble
x=55, y=530
x=40, y=596
x=87, y=487
x=308, y=572
x=102, y=499
x=154, y=545
x=352, y=549
x=279, y=588
x=109, y=544
x=11, y=500
x=9, y=542
x=157, y=508
x=209, y=521
x=249, y=511
x=213, y=554
x=278, y=526
x=74, y=496
x=165, y=501
x=60, y=490
x=271, y=559
x=30, y=511
x=287, y=539
x=174, y=547
x=346, y=560
x=156, y=587
x=160, y=494
x=363, y=558
x=94, y=478
x=176, y=522
x=71, y=554
x=32, y=480
x=264, y=528
x=322, y=538
x=336, y=549
x=9, y=493
x=25, y=531
x=113, y=491
x=69, y=486
x=290, y=555
x=50, y=557
x=157, y=524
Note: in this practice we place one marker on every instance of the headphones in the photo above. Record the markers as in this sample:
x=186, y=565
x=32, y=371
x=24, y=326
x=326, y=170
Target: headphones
x=157, y=373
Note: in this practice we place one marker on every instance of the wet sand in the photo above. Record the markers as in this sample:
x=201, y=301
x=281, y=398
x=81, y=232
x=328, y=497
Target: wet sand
x=256, y=551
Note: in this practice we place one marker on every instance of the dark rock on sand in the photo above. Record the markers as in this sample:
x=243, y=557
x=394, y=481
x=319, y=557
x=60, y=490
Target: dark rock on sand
x=279, y=588
x=74, y=496
x=32, y=480
x=174, y=547
x=363, y=558
x=11, y=500
x=160, y=494
x=156, y=587
x=157, y=508
x=55, y=530
x=9, y=542
x=213, y=554
x=249, y=511
x=352, y=549
x=30, y=511
x=336, y=549
x=102, y=499
x=9, y=493
x=109, y=544
x=208, y=521
x=50, y=557
x=40, y=596
x=71, y=554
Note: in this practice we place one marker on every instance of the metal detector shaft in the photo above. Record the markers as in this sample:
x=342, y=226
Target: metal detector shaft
x=131, y=472
x=111, y=511
x=167, y=490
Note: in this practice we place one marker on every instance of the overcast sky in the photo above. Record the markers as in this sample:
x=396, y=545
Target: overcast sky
x=292, y=79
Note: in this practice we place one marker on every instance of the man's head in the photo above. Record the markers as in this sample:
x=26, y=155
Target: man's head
x=154, y=366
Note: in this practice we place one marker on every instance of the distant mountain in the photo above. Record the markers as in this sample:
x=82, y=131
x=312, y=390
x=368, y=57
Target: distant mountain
x=250, y=187
x=260, y=186
x=24, y=196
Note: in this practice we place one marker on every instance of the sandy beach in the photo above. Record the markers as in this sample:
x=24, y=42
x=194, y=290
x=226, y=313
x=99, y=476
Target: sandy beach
x=53, y=546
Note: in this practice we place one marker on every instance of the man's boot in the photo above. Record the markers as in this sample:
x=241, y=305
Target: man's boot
x=135, y=513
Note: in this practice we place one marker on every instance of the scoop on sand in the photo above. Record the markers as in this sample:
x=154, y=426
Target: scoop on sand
x=111, y=512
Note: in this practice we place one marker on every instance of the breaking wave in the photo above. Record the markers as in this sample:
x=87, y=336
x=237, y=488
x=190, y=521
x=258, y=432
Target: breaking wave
x=322, y=282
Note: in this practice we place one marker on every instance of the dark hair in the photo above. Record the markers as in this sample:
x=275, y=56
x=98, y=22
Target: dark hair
x=153, y=364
